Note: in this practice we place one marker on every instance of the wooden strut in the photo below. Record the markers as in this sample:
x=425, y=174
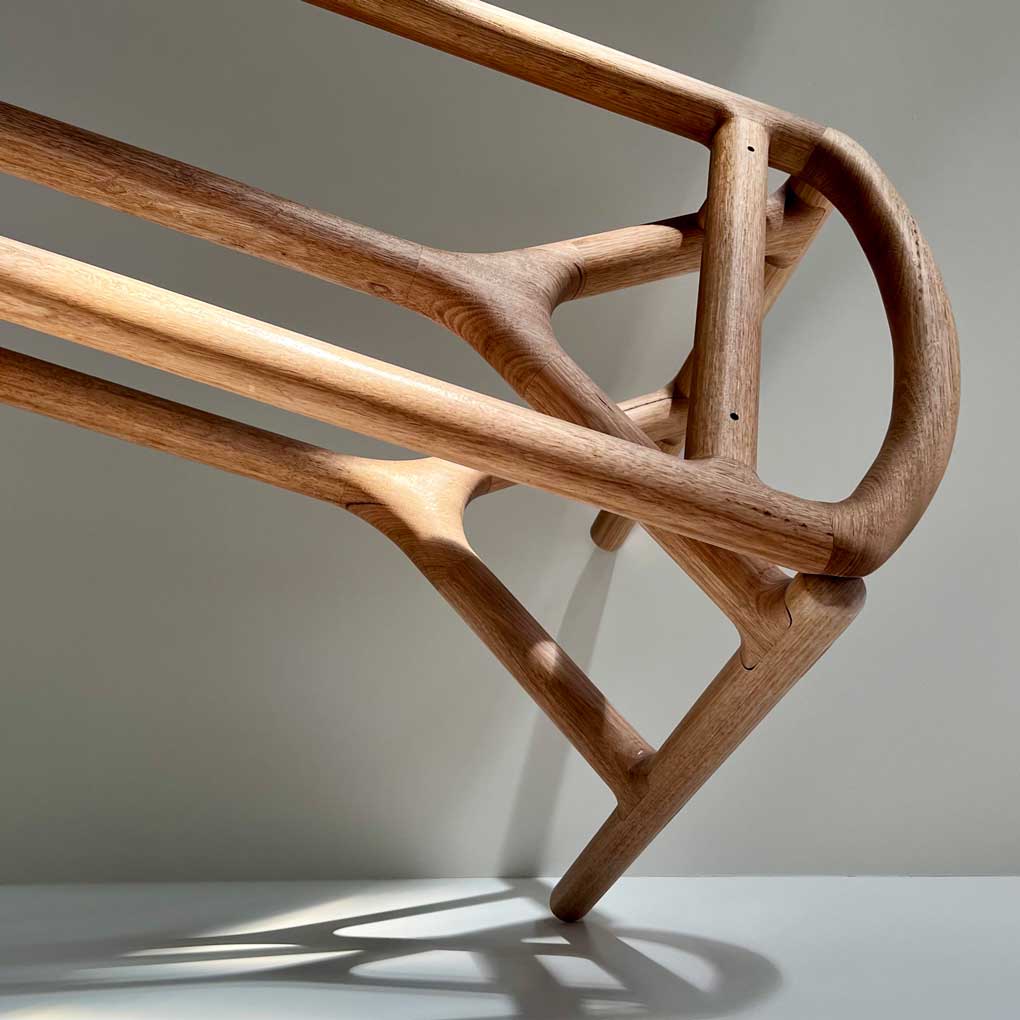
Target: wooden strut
x=708, y=511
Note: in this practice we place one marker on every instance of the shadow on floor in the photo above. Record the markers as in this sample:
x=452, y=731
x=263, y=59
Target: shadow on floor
x=524, y=967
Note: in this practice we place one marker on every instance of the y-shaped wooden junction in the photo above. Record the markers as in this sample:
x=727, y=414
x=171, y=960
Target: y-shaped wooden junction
x=708, y=510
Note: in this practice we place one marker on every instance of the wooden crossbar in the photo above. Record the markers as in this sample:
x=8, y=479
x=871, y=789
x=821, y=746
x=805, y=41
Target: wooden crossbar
x=708, y=511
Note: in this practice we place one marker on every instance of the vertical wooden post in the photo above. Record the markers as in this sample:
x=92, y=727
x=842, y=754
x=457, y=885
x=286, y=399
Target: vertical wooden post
x=609, y=531
x=723, y=417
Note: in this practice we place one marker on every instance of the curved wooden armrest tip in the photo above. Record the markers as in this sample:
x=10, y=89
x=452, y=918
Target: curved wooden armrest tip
x=884, y=508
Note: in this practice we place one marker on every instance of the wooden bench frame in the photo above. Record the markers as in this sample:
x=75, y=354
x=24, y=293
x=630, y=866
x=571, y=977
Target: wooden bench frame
x=708, y=510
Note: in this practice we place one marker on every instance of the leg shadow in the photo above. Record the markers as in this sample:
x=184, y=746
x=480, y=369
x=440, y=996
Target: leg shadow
x=541, y=969
x=527, y=832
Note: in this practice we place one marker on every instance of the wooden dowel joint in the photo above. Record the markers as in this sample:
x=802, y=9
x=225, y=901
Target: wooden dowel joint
x=723, y=415
x=709, y=512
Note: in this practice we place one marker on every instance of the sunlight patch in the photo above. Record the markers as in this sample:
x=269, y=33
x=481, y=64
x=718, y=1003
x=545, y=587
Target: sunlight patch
x=579, y=972
x=689, y=967
x=442, y=923
x=436, y=965
x=224, y=947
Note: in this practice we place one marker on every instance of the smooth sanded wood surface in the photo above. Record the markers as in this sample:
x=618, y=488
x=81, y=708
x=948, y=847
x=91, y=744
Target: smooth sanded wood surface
x=723, y=418
x=577, y=67
x=233, y=352
x=708, y=511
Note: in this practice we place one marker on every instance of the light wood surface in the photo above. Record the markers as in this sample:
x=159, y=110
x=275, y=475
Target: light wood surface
x=577, y=67
x=709, y=511
x=418, y=504
x=163, y=330
x=731, y=706
x=795, y=211
x=723, y=417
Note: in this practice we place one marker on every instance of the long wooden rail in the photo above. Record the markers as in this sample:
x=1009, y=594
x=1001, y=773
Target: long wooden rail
x=708, y=510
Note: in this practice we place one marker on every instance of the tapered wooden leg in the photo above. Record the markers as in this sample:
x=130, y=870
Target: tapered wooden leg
x=419, y=505
x=712, y=514
x=732, y=705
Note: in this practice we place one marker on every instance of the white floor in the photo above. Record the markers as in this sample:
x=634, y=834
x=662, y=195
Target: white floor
x=818, y=948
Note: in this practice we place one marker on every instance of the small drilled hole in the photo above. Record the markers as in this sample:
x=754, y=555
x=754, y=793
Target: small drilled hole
x=734, y=416
x=750, y=148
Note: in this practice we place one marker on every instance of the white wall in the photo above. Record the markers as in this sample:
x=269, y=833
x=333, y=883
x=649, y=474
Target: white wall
x=207, y=678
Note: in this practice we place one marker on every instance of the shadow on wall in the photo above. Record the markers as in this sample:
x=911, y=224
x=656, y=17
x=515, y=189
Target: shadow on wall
x=246, y=636
x=484, y=949
x=542, y=772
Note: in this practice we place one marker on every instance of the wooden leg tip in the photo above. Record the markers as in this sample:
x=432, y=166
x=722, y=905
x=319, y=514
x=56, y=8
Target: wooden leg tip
x=609, y=531
x=566, y=907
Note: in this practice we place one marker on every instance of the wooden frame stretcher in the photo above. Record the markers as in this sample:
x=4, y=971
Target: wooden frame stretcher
x=707, y=509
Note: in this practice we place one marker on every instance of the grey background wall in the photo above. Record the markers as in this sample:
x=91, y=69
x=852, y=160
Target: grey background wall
x=206, y=678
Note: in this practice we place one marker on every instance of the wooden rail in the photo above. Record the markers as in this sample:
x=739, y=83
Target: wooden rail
x=709, y=511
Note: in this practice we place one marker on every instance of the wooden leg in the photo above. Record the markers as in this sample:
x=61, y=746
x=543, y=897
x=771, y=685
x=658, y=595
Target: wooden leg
x=419, y=505
x=711, y=514
x=732, y=705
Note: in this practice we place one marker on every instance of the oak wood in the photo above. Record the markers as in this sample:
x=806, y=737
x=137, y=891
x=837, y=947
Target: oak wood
x=113, y=313
x=417, y=504
x=225, y=211
x=873, y=527
x=795, y=203
x=798, y=198
x=577, y=67
x=723, y=416
x=710, y=512
x=513, y=333
x=204, y=204
x=889, y=501
x=731, y=706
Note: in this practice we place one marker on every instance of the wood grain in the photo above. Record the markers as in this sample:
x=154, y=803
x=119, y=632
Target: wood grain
x=732, y=705
x=723, y=416
x=124, y=317
x=577, y=67
x=710, y=512
x=795, y=213
x=417, y=504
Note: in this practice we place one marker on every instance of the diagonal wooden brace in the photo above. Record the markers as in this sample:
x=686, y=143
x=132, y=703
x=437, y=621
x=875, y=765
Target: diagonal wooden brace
x=710, y=511
x=732, y=705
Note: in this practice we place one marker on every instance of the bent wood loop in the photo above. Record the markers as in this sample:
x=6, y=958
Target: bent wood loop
x=889, y=501
x=708, y=511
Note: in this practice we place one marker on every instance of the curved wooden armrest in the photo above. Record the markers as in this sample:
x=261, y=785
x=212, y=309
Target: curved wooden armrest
x=501, y=303
x=709, y=512
x=874, y=520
